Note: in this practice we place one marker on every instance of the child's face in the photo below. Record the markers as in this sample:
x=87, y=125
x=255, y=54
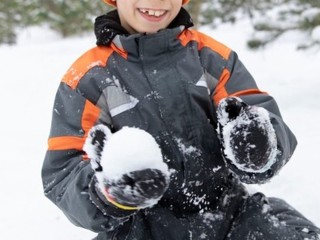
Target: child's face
x=147, y=16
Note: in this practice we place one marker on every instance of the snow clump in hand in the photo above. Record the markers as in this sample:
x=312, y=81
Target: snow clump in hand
x=128, y=165
x=131, y=149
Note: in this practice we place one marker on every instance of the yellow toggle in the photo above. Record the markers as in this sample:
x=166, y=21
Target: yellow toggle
x=120, y=205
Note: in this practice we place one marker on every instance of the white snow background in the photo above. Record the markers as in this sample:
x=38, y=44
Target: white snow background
x=30, y=74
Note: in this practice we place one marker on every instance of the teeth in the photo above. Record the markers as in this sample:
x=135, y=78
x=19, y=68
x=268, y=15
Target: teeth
x=158, y=13
x=151, y=12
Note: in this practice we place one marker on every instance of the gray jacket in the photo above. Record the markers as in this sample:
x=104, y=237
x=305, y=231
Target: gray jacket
x=168, y=84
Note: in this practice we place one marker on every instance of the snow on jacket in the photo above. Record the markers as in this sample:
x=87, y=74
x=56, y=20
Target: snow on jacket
x=168, y=84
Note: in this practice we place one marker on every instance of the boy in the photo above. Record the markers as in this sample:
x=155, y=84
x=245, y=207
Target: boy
x=214, y=126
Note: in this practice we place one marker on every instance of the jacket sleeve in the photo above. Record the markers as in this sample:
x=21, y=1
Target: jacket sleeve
x=230, y=78
x=66, y=174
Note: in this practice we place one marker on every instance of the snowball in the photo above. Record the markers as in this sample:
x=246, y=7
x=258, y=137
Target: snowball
x=131, y=149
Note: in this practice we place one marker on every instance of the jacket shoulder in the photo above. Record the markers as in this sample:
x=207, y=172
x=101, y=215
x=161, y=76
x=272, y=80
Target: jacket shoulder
x=95, y=57
x=204, y=41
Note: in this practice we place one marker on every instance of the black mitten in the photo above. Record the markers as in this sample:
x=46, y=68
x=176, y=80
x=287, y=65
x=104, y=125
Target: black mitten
x=247, y=135
x=129, y=170
x=139, y=189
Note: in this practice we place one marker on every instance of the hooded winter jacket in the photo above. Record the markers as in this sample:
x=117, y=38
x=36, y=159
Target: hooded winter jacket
x=169, y=84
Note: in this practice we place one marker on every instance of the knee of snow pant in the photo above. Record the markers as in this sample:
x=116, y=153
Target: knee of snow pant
x=293, y=219
x=264, y=219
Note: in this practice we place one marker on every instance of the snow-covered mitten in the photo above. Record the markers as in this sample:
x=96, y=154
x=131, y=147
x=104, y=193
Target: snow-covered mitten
x=137, y=189
x=247, y=135
x=129, y=169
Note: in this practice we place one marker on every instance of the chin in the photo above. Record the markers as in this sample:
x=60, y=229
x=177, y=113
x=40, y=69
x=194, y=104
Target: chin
x=152, y=30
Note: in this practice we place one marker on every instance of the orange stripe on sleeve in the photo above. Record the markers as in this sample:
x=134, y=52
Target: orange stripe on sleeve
x=223, y=94
x=248, y=92
x=89, y=118
x=204, y=41
x=97, y=56
x=221, y=91
x=65, y=143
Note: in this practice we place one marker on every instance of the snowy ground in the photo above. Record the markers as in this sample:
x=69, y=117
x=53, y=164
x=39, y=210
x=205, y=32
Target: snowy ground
x=30, y=74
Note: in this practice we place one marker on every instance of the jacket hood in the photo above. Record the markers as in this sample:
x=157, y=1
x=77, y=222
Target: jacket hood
x=107, y=26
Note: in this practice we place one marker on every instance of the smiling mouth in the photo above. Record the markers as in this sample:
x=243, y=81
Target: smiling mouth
x=152, y=12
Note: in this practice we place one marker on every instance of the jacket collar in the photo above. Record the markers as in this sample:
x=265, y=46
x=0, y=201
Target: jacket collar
x=108, y=26
x=149, y=47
